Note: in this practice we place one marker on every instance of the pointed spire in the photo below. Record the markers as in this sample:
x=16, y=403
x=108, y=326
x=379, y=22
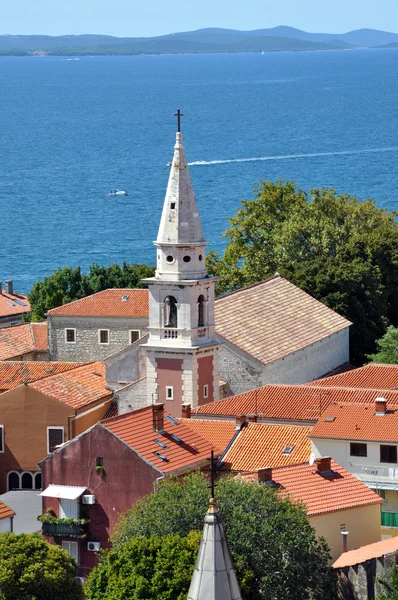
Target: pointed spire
x=180, y=222
x=214, y=576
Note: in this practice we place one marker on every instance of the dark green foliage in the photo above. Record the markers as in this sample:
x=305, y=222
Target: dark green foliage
x=389, y=586
x=342, y=251
x=68, y=283
x=387, y=348
x=274, y=548
x=155, y=568
x=32, y=569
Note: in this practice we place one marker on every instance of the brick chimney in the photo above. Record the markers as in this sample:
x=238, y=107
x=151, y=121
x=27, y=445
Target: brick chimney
x=264, y=475
x=9, y=287
x=158, y=416
x=323, y=465
x=186, y=411
x=240, y=419
x=381, y=406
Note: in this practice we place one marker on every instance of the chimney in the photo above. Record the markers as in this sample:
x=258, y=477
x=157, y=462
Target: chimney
x=264, y=475
x=240, y=419
x=186, y=411
x=157, y=416
x=252, y=418
x=9, y=287
x=381, y=406
x=323, y=465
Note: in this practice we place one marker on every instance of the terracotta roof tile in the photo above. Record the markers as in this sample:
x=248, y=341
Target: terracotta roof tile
x=273, y=319
x=21, y=339
x=108, y=303
x=355, y=422
x=13, y=304
x=364, y=553
x=370, y=376
x=323, y=493
x=218, y=432
x=136, y=430
x=5, y=511
x=292, y=402
x=78, y=387
x=260, y=445
x=14, y=373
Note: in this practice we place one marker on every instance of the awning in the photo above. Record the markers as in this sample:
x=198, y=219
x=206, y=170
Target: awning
x=71, y=492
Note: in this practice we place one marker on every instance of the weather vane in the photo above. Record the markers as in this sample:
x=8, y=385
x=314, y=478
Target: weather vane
x=178, y=114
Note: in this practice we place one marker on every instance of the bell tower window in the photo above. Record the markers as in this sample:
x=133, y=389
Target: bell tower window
x=201, y=311
x=170, y=311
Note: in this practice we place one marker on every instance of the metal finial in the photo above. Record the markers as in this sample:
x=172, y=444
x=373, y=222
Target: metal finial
x=178, y=114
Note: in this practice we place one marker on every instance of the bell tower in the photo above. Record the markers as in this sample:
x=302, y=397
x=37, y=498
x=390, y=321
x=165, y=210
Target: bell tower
x=182, y=350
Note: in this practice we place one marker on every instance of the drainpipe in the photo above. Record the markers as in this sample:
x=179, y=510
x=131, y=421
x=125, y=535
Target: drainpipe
x=345, y=540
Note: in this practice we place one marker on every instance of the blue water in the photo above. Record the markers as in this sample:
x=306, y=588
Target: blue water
x=72, y=130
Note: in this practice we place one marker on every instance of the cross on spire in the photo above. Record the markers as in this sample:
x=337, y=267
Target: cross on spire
x=178, y=114
x=213, y=473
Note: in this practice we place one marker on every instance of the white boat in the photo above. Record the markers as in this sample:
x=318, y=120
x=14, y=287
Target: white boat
x=118, y=193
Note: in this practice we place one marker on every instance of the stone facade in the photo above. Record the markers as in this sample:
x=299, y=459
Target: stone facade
x=361, y=581
x=86, y=347
x=132, y=396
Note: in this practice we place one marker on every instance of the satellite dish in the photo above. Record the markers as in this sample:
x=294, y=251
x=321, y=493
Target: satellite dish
x=312, y=458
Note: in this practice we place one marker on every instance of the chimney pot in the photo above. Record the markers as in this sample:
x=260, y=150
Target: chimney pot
x=158, y=416
x=240, y=419
x=186, y=411
x=264, y=474
x=9, y=287
x=381, y=405
x=323, y=465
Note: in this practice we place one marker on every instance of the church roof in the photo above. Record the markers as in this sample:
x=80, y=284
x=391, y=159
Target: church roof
x=214, y=576
x=370, y=376
x=181, y=224
x=114, y=302
x=273, y=319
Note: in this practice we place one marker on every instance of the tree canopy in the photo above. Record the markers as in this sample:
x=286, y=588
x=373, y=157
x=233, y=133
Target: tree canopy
x=387, y=348
x=342, y=251
x=67, y=284
x=32, y=569
x=274, y=548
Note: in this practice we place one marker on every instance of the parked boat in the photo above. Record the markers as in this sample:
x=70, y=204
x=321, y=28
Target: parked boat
x=118, y=193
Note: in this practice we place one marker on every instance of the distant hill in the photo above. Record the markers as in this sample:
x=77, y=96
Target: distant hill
x=213, y=40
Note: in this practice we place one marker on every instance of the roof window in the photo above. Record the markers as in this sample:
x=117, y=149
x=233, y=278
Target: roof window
x=330, y=418
x=172, y=420
x=125, y=297
x=288, y=450
x=162, y=457
x=176, y=439
x=161, y=444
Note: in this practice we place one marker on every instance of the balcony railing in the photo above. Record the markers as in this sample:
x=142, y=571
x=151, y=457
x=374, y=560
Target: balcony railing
x=170, y=334
x=60, y=529
x=389, y=519
x=367, y=472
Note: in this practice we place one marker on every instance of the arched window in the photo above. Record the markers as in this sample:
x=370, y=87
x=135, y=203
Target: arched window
x=13, y=481
x=170, y=311
x=201, y=311
x=27, y=481
x=38, y=481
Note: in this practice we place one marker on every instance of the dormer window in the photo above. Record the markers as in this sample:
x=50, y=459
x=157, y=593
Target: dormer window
x=170, y=311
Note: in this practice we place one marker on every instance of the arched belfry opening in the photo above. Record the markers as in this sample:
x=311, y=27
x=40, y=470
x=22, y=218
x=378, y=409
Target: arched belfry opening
x=170, y=312
x=201, y=311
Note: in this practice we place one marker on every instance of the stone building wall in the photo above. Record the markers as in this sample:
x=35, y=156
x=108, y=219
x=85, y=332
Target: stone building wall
x=361, y=582
x=87, y=347
x=132, y=396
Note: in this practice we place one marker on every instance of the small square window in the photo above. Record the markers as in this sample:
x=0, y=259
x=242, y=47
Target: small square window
x=103, y=336
x=205, y=391
x=172, y=205
x=388, y=454
x=135, y=335
x=72, y=549
x=358, y=449
x=70, y=336
x=55, y=437
x=100, y=461
x=169, y=392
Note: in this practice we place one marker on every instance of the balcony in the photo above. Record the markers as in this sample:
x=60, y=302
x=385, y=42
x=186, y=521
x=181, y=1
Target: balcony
x=389, y=519
x=65, y=528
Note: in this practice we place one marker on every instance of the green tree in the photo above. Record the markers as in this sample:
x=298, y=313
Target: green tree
x=387, y=348
x=389, y=586
x=154, y=568
x=342, y=251
x=67, y=284
x=275, y=551
x=32, y=569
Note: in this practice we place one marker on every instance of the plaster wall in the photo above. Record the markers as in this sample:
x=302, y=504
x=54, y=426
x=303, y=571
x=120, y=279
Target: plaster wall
x=205, y=377
x=5, y=524
x=169, y=373
x=126, y=366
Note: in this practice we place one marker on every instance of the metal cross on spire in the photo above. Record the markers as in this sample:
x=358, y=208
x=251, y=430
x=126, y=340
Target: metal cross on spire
x=213, y=473
x=178, y=114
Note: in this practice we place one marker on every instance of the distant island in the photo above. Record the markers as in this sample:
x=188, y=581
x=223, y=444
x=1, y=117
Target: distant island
x=210, y=40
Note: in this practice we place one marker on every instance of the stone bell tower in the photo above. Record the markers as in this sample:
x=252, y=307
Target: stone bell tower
x=182, y=350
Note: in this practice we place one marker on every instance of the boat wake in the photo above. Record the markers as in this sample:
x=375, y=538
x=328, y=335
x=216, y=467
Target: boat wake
x=292, y=156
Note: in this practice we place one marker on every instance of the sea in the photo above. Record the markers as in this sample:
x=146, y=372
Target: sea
x=73, y=129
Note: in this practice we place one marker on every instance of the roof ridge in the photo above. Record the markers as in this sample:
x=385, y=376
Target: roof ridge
x=248, y=287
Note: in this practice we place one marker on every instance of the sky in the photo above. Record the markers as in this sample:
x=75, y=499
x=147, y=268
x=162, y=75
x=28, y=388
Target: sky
x=131, y=18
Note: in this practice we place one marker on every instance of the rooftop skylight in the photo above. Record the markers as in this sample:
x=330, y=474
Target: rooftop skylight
x=172, y=420
x=288, y=450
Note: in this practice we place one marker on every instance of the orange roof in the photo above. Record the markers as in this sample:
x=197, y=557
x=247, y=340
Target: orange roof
x=219, y=433
x=260, y=445
x=136, y=430
x=291, y=402
x=78, y=387
x=273, y=319
x=14, y=373
x=5, y=511
x=370, y=376
x=21, y=339
x=13, y=304
x=364, y=553
x=108, y=303
x=357, y=423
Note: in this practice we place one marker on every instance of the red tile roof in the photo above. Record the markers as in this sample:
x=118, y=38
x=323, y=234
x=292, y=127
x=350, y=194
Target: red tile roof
x=14, y=373
x=21, y=339
x=13, y=304
x=364, y=553
x=370, y=376
x=273, y=319
x=108, y=303
x=357, y=423
x=322, y=493
x=78, y=387
x=5, y=511
x=136, y=430
x=291, y=402
x=260, y=445
x=218, y=432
